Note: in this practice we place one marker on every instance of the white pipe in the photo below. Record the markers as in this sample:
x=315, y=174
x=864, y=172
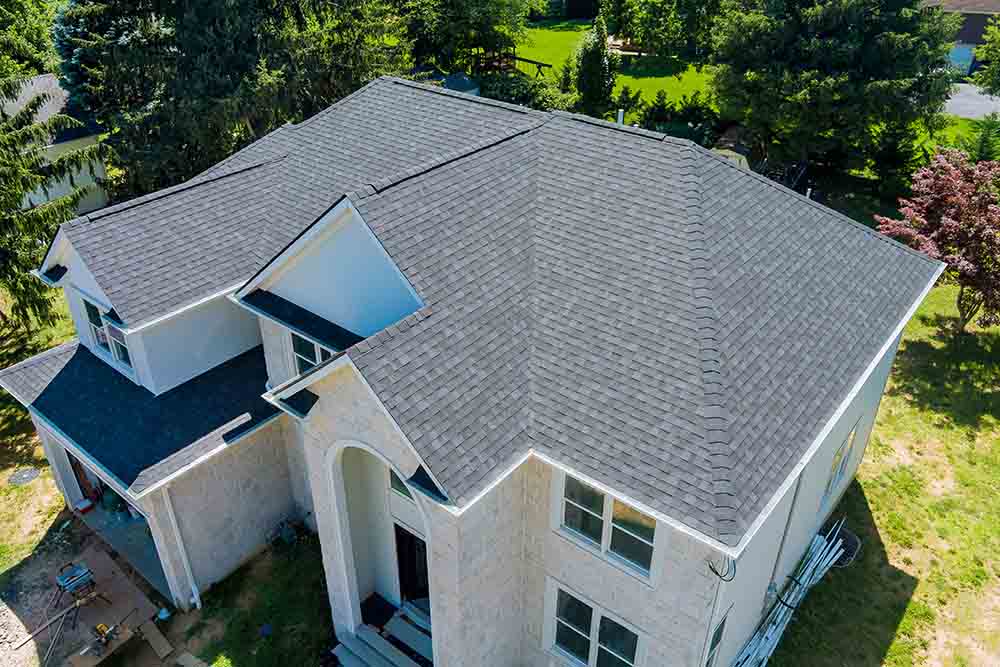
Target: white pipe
x=180, y=546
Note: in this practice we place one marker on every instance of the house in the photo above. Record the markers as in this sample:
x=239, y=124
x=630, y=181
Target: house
x=531, y=376
x=975, y=15
x=64, y=142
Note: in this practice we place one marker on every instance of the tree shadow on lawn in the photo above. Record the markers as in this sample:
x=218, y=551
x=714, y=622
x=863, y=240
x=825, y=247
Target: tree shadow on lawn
x=563, y=25
x=654, y=67
x=854, y=614
x=956, y=376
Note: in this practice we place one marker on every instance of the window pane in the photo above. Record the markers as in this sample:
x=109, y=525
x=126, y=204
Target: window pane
x=122, y=353
x=324, y=354
x=619, y=639
x=583, y=522
x=572, y=642
x=634, y=521
x=116, y=334
x=93, y=314
x=585, y=496
x=605, y=659
x=302, y=364
x=574, y=612
x=101, y=337
x=631, y=549
x=396, y=483
x=304, y=348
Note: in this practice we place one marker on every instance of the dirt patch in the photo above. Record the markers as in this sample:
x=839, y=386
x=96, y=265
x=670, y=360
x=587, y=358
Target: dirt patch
x=971, y=635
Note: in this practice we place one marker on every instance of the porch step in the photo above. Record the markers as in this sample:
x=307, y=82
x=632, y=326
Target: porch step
x=393, y=655
x=408, y=633
x=364, y=654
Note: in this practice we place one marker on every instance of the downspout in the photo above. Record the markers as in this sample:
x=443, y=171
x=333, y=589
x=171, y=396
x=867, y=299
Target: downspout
x=195, y=597
x=781, y=545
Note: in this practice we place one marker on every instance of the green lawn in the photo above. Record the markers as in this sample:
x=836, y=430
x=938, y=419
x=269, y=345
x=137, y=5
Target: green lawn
x=553, y=41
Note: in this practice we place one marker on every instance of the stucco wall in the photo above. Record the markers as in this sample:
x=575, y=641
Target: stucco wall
x=362, y=289
x=672, y=612
x=227, y=507
x=371, y=525
x=277, y=352
x=186, y=345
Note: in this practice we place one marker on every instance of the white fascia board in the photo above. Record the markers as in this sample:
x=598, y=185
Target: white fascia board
x=58, y=241
x=203, y=458
x=314, y=375
x=817, y=442
x=285, y=258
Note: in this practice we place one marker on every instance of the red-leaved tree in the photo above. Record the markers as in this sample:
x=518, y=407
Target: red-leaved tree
x=953, y=215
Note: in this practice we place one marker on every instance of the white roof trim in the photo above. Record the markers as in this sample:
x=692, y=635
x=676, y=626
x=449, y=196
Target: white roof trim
x=183, y=309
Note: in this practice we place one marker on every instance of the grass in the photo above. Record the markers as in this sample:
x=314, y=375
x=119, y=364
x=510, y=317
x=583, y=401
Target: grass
x=285, y=589
x=553, y=41
x=927, y=505
x=26, y=512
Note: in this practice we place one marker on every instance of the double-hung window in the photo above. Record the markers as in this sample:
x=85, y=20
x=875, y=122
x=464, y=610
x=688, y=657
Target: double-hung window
x=107, y=336
x=614, y=527
x=587, y=635
x=307, y=353
x=841, y=462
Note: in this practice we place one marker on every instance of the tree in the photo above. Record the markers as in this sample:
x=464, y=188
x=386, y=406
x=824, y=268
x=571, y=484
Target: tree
x=628, y=101
x=181, y=84
x=953, y=216
x=988, y=53
x=25, y=44
x=446, y=32
x=822, y=78
x=596, y=70
x=25, y=228
x=983, y=141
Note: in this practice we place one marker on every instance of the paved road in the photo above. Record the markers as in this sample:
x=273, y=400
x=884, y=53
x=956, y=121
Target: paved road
x=968, y=102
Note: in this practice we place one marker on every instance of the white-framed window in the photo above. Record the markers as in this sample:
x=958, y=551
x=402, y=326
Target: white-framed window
x=716, y=642
x=307, y=353
x=587, y=635
x=107, y=336
x=841, y=462
x=614, y=527
x=397, y=485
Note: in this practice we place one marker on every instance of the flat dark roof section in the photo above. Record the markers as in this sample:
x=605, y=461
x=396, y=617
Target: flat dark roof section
x=301, y=401
x=297, y=318
x=55, y=273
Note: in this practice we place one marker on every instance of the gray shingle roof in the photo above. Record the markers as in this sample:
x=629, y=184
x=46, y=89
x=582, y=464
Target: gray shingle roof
x=632, y=305
x=628, y=303
x=141, y=438
x=163, y=251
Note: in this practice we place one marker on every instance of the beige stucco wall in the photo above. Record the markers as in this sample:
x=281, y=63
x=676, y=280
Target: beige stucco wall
x=228, y=506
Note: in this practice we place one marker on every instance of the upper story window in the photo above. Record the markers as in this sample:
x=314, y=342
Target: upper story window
x=841, y=462
x=398, y=486
x=608, y=523
x=586, y=634
x=307, y=353
x=106, y=336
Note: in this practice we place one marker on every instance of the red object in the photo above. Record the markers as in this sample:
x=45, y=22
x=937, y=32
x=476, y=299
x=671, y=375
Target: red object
x=84, y=506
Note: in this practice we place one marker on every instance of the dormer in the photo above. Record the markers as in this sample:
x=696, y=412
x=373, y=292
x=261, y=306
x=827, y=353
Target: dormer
x=333, y=286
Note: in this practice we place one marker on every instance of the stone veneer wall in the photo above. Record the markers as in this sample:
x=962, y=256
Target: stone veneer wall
x=228, y=506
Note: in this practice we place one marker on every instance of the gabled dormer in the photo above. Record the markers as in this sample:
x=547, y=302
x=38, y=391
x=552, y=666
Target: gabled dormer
x=333, y=286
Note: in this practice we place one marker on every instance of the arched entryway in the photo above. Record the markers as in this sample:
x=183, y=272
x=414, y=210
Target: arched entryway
x=374, y=535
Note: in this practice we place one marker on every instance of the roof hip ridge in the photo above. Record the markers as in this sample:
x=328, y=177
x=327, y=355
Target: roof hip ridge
x=474, y=99
x=714, y=413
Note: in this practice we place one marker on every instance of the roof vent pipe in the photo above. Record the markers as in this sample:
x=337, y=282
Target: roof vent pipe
x=621, y=116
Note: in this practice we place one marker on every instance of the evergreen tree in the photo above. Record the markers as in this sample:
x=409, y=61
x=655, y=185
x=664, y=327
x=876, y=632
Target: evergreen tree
x=25, y=44
x=596, y=70
x=181, y=84
x=822, y=78
x=26, y=228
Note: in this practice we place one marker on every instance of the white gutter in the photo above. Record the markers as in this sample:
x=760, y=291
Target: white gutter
x=195, y=597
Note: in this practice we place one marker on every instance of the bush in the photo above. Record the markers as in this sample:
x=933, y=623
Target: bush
x=536, y=93
x=692, y=117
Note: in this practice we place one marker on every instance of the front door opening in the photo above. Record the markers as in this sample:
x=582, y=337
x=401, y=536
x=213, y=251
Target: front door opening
x=411, y=556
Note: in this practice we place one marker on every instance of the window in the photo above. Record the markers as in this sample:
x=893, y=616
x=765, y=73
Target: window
x=107, y=336
x=397, y=485
x=590, y=637
x=841, y=461
x=615, y=527
x=713, y=647
x=308, y=353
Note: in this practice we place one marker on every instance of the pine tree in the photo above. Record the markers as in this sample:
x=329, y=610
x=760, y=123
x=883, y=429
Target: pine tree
x=25, y=228
x=596, y=70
